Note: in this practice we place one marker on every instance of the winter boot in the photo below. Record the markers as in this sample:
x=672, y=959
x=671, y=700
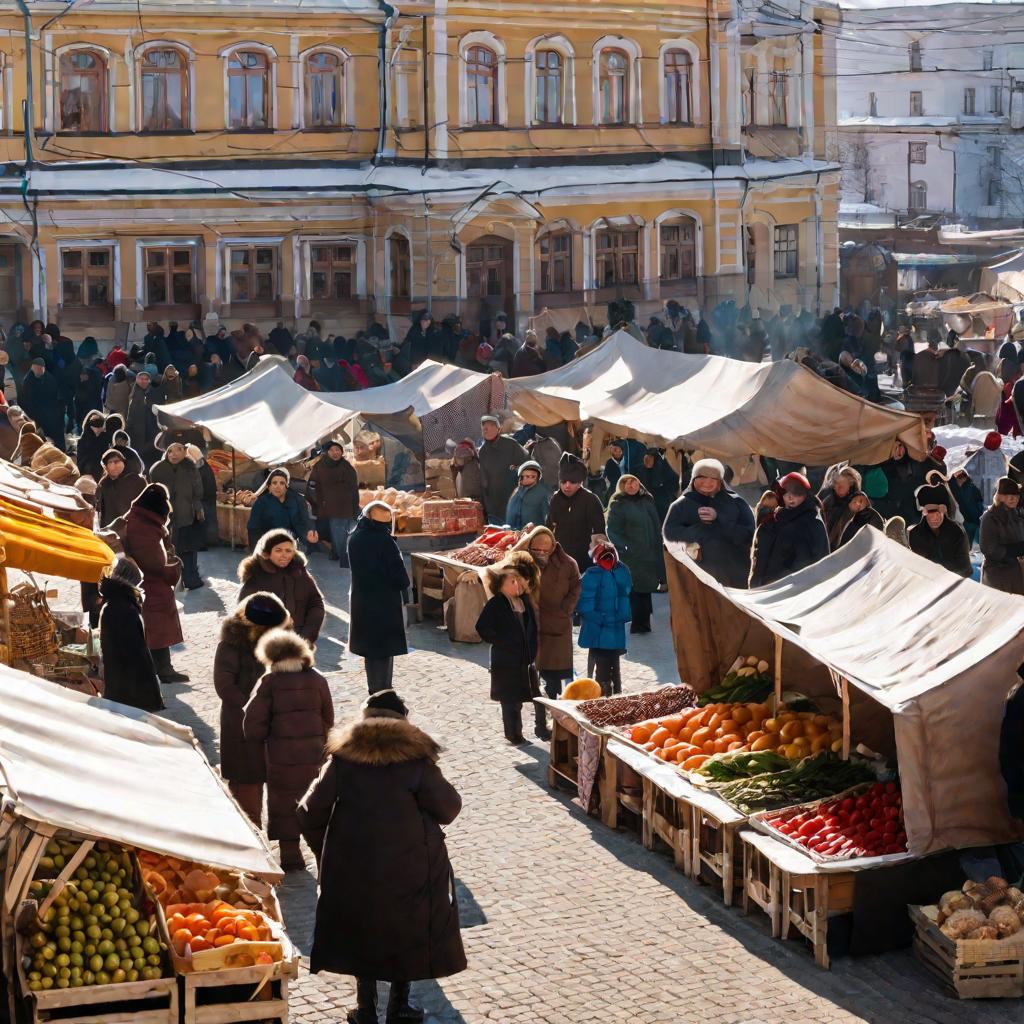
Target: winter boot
x=400, y=1010
x=540, y=727
x=164, y=669
x=366, y=1002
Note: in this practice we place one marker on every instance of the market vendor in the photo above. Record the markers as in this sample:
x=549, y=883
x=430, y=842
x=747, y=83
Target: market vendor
x=500, y=458
x=937, y=537
x=715, y=523
x=792, y=537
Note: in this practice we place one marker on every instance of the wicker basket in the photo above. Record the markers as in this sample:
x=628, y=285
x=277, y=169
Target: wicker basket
x=33, y=630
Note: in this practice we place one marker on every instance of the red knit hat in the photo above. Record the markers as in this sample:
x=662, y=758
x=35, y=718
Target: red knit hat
x=605, y=555
x=792, y=481
x=938, y=453
x=993, y=440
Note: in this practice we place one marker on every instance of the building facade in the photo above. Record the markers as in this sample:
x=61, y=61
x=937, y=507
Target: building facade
x=350, y=160
x=931, y=107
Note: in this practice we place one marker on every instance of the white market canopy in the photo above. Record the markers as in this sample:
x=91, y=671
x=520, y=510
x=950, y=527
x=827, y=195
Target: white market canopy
x=929, y=657
x=1005, y=279
x=110, y=772
x=267, y=416
x=721, y=407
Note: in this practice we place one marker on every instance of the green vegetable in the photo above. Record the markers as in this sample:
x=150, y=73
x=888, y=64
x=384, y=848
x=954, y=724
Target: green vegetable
x=733, y=689
x=743, y=765
x=812, y=779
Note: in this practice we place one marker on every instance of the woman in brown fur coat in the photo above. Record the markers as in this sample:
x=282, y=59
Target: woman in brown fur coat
x=291, y=713
x=387, y=909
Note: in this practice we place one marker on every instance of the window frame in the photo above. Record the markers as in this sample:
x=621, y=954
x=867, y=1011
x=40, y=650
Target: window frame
x=778, y=94
x=677, y=86
x=626, y=97
x=615, y=254
x=987, y=58
x=243, y=74
x=917, y=189
x=915, y=56
x=184, y=75
x=680, y=223
x=916, y=100
x=102, y=77
x=168, y=273
x=489, y=73
x=555, y=263
x=872, y=104
x=995, y=100
x=332, y=267
x=917, y=152
x=251, y=272
x=399, y=266
x=563, y=63
x=85, y=274
x=477, y=271
x=786, y=251
x=10, y=277
x=339, y=75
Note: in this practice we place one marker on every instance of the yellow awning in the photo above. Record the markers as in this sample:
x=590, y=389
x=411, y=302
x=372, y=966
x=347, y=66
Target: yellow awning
x=40, y=544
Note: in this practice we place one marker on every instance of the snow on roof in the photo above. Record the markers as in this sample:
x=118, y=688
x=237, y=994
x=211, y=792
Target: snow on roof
x=57, y=179
x=888, y=5
x=927, y=121
x=200, y=7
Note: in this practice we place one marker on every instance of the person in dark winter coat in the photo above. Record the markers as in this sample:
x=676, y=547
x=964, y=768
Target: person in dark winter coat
x=41, y=400
x=147, y=541
x=970, y=502
x=236, y=671
x=937, y=537
x=140, y=419
x=180, y=475
x=118, y=390
x=291, y=712
x=659, y=479
x=386, y=908
x=861, y=514
x=333, y=491
x=210, y=533
x=575, y=514
x=279, y=568
x=835, y=503
x=905, y=475
x=792, y=538
x=500, y=458
x=117, y=489
x=530, y=500
x=715, y=523
x=529, y=360
x=604, y=608
x=128, y=673
x=556, y=602
x=92, y=444
x=376, y=629
x=635, y=530
x=278, y=507
x=613, y=465
x=466, y=475
x=121, y=442
x=1002, y=539
x=508, y=623
x=419, y=340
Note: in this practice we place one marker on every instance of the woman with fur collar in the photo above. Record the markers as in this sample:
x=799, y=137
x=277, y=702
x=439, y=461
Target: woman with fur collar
x=235, y=675
x=387, y=909
x=291, y=713
x=279, y=568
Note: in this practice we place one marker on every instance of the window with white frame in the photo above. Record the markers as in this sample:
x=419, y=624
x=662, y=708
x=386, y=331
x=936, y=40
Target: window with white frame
x=549, y=78
x=332, y=272
x=253, y=273
x=778, y=89
x=400, y=266
x=918, y=152
x=324, y=89
x=481, y=86
x=163, y=75
x=87, y=278
x=787, y=251
x=995, y=99
x=677, y=241
x=613, y=86
x=406, y=67
x=617, y=257
x=554, y=254
x=169, y=274
x=916, y=103
x=82, y=92
x=248, y=90
x=678, y=69
x=918, y=196
x=969, y=100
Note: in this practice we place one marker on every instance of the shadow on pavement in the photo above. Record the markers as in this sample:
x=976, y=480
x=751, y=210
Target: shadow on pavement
x=471, y=914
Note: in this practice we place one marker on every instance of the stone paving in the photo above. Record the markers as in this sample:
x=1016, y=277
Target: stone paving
x=564, y=921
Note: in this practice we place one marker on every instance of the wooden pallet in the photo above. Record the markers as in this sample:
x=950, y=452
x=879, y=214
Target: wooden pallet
x=132, y=1002
x=715, y=846
x=621, y=789
x=669, y=819
x=239, y=994
x=992, y=969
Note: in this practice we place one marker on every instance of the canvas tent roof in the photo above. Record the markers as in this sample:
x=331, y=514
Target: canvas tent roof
x=930, y=659
x=270, y=418
x=30, y=490
x=721, y=407
x=70, y=760
x=1005, y=279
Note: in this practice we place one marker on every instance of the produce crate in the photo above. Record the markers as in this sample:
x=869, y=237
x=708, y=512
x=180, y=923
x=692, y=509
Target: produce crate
x=715, y=848
x=240, y=994
x=131, y=1002
x=969, y=969
x=669, y=819
x=762, y=883
x=809, y=899
x=621, y=789
x=564, y=754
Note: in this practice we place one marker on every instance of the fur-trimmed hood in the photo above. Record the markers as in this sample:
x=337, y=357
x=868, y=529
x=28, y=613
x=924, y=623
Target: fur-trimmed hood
x=520, y=562
x=381, y=741
x=248, y=567
x=281, y=650
x=237, y=631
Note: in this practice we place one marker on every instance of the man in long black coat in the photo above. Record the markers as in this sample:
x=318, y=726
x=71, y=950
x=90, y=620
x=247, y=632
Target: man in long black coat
x=376, y=629
x=40, y=398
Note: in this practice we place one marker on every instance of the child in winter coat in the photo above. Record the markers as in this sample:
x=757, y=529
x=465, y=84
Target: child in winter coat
x=604, y=609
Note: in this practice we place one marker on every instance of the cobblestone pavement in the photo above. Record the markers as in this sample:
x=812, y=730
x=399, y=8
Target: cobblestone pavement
x=564, y=921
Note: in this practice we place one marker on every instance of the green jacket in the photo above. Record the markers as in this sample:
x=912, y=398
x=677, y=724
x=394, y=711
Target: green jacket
x=635, y=530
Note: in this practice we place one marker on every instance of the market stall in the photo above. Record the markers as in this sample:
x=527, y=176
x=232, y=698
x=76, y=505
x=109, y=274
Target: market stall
x=99, y=865
x=35, y=492
x=718, y=407
x=981, y=320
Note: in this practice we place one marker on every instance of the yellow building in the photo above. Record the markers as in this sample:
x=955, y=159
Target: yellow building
x=205, y=159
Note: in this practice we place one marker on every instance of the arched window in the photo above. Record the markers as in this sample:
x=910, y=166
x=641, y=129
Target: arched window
x=548, y=108
x=248, y=90
x=678, y=68
x=618, y=257
x=165, y=104
x=401, y=267
x=83, y=92
x=325, y=90
x=481, y=86
x=554, y=252
x=918, y=196
x=613, y=86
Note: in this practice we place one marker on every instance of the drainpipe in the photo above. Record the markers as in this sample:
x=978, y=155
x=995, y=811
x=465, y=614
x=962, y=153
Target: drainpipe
x=390, y=14
x=29, y=107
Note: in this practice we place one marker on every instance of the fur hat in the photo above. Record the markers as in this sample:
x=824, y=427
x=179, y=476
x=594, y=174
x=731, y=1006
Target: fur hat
x=384, y=704
x=271, y=539
x=281, y=650
x=795, y=483
x=852, y=475
x=126, y=572
x=519, y=562
x=710, y=468
x=896, y=529
x=571, y=469
x=194, y=452
x=263, y=609
x=465, y=450
x=86, y=485
x=932, y=494
x=530, y=464
x=154, y=499
x=334, y=443
x=1004, y=485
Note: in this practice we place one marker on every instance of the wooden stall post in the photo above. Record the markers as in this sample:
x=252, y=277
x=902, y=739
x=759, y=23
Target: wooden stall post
x=234, y=491
x=778, y=671
x=5, y=598
x=845, y=694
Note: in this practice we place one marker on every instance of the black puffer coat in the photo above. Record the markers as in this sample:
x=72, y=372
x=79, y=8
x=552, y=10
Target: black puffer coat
x=725, y=542
x=379, y=580
x=1002, y=544
x=387, y=906
x=787, y=541
x=128, y=673
x=513, y=647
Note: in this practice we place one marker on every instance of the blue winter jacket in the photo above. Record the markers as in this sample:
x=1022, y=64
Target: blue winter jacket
x=528, y=505
x=604, y=607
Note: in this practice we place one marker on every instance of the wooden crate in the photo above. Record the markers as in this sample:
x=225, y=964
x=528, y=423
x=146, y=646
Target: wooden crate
x=669, y=819
x=620, y=789
x=807, y=901
x=132, y=1002
x=715, y=846
x=992, y=969
x=762, y=883
x=240, y=994
x=564, y=755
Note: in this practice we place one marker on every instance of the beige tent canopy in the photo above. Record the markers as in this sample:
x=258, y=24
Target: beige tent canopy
x=717, y=406
x=1005, y=278
x=929, y=659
